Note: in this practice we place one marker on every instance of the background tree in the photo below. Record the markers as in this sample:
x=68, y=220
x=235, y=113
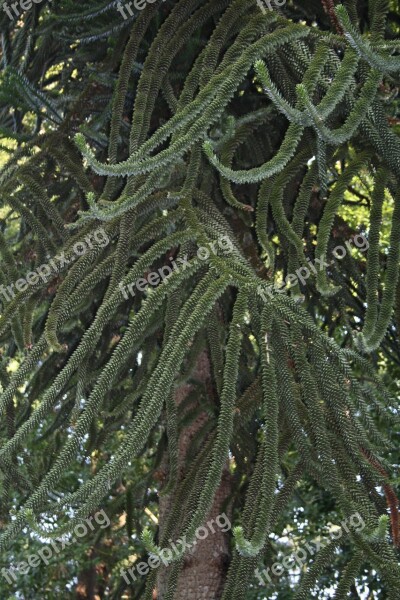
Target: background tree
x=188, y=123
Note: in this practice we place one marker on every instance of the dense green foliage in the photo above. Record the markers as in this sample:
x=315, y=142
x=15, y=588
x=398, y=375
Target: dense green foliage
x=191, y=121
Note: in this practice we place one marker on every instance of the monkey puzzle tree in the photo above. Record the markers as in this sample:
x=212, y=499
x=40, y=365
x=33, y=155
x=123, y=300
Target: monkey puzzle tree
x=236, y=150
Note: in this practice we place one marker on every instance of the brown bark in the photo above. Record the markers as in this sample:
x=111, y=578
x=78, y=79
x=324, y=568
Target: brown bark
x=205, y=566
x=86, y=587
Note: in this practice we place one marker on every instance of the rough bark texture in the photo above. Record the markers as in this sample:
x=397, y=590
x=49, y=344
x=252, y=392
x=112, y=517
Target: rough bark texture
x=203, y=574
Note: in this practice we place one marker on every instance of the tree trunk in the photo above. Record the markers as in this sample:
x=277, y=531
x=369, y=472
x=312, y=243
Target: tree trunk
x=205, y=565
